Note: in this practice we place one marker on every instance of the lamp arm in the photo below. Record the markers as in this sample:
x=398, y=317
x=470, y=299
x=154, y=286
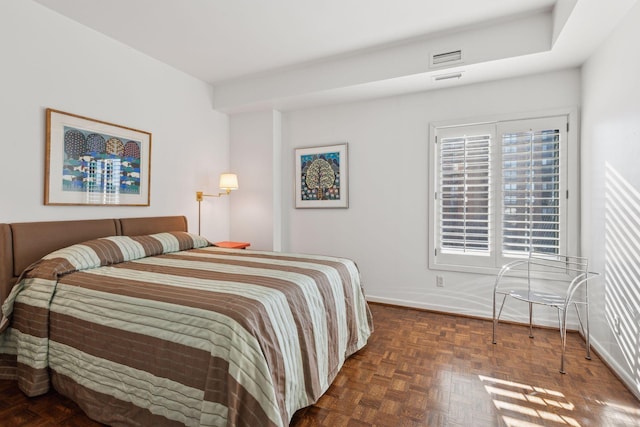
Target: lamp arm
x=200, y=195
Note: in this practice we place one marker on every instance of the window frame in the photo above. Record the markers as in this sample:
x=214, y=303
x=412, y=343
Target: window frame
x=491, y=263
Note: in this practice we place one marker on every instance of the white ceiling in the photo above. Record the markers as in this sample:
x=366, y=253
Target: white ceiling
x=231, y=42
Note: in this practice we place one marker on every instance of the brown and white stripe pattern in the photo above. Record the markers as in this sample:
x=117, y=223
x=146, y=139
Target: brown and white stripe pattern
x=203, y=337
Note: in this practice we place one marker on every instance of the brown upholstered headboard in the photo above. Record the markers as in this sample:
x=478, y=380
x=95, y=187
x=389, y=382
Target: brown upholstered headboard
x=22, y=244
x=158, y=224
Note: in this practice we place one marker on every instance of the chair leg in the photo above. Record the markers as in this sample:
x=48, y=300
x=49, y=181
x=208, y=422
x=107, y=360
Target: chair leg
x=530, y=320
x=496, y=319
x=493, y=335
x=588, y=357
x=563, y=338
x=585, y=330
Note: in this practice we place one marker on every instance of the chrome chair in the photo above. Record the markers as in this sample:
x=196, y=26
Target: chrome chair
x=550, y=280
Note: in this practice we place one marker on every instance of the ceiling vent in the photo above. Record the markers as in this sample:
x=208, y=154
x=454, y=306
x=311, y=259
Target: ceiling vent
x=443, y=59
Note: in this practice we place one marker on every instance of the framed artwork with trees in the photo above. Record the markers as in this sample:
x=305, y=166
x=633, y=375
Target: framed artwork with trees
x=92, y=162
x=321, y=177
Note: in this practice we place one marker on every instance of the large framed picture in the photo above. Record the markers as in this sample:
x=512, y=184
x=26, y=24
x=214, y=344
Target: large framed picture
x=91, y=162
x=322, y=179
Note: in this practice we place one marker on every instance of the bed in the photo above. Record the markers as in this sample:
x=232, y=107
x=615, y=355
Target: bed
x=142, y=323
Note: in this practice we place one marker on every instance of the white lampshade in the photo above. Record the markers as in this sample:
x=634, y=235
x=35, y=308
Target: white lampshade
x=228, y=181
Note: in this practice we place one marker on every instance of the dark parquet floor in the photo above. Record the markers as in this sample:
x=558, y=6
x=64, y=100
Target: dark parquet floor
x=428, y=369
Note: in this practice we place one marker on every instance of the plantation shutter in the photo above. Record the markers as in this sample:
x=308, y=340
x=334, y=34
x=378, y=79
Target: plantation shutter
x=500, y=191
x=465, y=192
x=532, y=186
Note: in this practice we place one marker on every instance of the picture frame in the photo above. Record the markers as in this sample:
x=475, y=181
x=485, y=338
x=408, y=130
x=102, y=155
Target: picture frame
x=321, y=177
x=95, y=163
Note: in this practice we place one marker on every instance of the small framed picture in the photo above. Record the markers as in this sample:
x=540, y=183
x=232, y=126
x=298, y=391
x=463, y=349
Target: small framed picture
x=322, y=179
x=91, y=162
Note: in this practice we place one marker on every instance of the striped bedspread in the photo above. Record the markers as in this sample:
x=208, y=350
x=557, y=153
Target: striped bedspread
x=164, y=330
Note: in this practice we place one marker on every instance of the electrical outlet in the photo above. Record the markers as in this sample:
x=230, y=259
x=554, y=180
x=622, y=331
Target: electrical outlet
x=617, y=325
x=440, y=281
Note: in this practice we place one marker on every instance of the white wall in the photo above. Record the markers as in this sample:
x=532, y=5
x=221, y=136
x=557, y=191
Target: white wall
x=611, y=194
x=255, y=140
x=50, y=61
x=385, y=227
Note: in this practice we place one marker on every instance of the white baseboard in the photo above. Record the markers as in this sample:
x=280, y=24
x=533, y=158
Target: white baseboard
x=632, y=384
x=424, y=306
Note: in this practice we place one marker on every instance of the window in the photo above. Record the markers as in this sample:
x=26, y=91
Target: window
x=500, y=190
